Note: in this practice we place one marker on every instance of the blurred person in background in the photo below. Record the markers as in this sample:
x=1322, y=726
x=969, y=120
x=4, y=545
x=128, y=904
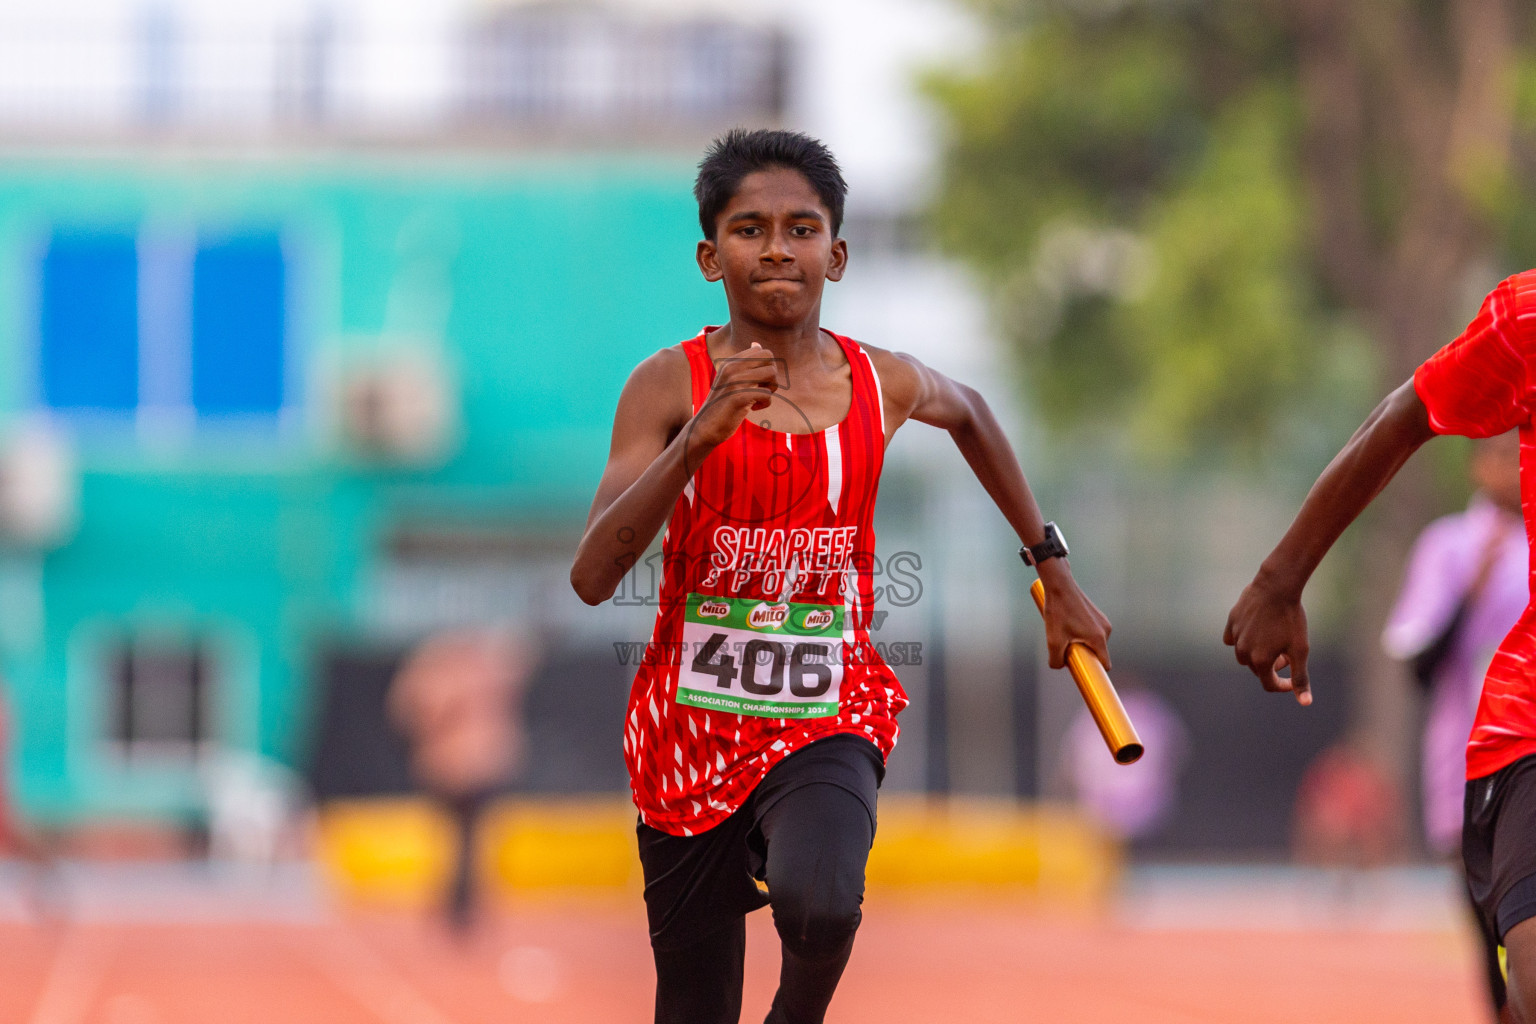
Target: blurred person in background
x=1348, y=814
x=1134, y=802
x=458, y=700
x=1467, y=582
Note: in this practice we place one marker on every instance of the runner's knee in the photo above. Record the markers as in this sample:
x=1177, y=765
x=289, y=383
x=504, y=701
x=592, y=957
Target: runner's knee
x=818, y=842
x=814, y=925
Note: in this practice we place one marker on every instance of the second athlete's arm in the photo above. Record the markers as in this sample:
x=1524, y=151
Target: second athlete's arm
x=915, y=391
x=1267, y=626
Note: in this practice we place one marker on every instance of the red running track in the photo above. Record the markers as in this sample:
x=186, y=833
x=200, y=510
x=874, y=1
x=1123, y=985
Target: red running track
x=583, y=965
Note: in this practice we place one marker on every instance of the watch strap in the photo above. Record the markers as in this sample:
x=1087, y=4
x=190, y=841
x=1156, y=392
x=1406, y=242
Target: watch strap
x=1054, y=546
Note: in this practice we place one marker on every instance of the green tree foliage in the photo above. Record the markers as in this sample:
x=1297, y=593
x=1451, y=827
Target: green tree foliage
x=1218, y=230
x=1211, y=225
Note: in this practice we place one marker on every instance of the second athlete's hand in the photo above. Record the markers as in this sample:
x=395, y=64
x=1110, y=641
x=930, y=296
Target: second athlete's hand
x=1267, y=629
x=744, y=384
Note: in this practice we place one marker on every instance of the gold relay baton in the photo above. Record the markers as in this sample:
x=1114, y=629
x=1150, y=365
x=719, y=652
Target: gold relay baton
x=1098, y=693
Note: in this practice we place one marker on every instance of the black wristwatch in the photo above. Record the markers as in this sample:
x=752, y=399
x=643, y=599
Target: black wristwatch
x=1054, y=546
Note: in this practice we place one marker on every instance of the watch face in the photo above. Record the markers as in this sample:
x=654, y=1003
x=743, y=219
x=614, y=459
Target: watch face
x=1061, y=540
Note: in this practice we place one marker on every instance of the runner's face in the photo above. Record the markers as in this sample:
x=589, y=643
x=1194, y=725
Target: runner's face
x=774, y=249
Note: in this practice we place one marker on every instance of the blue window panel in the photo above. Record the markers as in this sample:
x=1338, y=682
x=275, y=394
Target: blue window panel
x=89, y=322
x=238, y=325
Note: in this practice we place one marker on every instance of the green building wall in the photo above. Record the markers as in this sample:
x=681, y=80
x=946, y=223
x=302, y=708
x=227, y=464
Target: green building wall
x=542, y=280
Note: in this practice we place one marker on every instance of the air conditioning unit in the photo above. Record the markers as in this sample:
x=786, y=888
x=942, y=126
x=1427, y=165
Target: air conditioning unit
x=399, y=407
x=39, y=487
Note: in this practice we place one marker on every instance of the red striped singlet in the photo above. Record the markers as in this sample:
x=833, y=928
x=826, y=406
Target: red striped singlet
x=761, y=642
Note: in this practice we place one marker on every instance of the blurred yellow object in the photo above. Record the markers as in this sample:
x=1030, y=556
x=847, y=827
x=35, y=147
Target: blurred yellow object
x=397, y=853
x=992, y=846
x=561, y=845
x=386, y=852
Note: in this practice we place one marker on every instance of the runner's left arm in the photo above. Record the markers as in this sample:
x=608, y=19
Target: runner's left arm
x=918, y=392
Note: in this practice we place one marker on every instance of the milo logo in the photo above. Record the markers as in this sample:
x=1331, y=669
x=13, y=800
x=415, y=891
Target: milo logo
x=768, y=616
x=714, y=609
x=818, y=620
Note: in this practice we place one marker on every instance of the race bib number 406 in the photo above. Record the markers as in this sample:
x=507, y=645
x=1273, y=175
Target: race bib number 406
x=759, y=658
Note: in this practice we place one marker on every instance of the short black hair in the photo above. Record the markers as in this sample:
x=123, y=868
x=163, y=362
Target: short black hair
x=740, y=152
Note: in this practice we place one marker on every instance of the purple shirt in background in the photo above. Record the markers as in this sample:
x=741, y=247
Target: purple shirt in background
x=1131, y=800
x=1445, y=559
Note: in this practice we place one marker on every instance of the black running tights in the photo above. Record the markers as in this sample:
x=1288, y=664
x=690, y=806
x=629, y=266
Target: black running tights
x=818, y=839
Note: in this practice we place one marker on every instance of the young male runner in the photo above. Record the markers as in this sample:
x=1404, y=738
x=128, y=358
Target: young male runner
x=1481, y=384
x=759, y=723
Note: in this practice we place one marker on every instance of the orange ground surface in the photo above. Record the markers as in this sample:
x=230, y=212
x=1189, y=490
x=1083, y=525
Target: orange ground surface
x=586, y=964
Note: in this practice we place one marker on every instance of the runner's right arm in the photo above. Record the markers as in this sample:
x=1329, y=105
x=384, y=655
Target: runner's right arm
x=1480, y=385
x=656, y=447
x=1267, y=627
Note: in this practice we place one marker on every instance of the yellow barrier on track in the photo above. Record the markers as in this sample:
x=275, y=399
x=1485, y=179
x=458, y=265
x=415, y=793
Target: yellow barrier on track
x=398, y=852
x=570, y=845
x=394, y=852
x=992, y=847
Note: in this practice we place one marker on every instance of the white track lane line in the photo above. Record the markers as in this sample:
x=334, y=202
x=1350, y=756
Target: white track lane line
x=77, y=972
x=369, y=979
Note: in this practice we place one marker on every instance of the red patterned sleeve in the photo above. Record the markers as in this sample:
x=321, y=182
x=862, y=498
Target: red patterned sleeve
x=1479, y=384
